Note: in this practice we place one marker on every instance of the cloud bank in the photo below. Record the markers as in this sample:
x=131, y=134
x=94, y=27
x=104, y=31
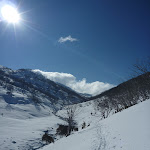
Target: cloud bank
x=80, y=86
x=68, y=38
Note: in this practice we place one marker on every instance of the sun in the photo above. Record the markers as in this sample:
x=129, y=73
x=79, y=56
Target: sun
x=10, y=14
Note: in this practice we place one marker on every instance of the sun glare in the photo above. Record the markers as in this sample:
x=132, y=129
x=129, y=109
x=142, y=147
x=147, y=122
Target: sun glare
x=10, y=14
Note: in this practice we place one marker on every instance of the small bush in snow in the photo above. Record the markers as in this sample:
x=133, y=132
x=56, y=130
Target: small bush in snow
x=47, y=138
x=62, y=130
x=65, y=130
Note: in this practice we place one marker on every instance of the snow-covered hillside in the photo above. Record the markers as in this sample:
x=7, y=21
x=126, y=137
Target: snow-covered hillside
x=25, y=134
x=126, y=130
x=30, y=104
x=18, y=105
x=30, y=93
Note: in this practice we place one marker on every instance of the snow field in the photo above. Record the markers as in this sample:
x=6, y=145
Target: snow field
x=126, y=130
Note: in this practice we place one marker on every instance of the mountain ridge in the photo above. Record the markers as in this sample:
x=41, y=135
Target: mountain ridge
x=23, y=86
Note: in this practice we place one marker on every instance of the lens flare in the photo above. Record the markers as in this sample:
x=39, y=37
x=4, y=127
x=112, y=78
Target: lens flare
x=10, y=14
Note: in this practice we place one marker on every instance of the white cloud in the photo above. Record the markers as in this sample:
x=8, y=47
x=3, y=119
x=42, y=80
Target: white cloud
x=80, y=86
x=65, y=39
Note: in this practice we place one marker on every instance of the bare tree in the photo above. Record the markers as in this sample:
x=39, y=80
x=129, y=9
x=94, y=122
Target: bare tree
x=141, y=66
x=103, y=106
x=71, y=112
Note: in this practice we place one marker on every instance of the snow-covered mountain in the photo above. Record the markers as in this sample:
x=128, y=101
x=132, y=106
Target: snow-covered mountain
x=24, y=86
x=31, y=104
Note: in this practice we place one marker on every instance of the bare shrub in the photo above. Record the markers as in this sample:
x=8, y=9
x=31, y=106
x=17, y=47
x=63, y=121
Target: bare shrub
x=141, y=66
x=71, y=114
x=62, y=130
x=47, y=138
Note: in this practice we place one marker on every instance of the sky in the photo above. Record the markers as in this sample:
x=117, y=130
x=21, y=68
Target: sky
x=92, y=40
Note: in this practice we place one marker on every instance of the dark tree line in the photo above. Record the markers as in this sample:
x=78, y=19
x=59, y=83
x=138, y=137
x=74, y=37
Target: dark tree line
x=128, y=93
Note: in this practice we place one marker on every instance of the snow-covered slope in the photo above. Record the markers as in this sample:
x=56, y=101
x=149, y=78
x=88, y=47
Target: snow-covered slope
x=126, y=130
x=18, y=134
x=29, y=105
x=29, y=93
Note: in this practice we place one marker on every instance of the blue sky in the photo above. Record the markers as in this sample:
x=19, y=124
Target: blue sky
x=111, y=35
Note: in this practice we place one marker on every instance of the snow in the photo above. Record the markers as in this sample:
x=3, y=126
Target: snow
x=23, y=124
x=127, y=130
x=132, y=126
x=23, y=121
x=25, y=134
x=83, y=113
x=23, y=111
